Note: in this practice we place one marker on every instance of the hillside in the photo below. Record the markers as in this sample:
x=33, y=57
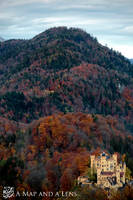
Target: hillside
x=57, y=149
x=62, y=96
x=63, y=70
x=29, y=95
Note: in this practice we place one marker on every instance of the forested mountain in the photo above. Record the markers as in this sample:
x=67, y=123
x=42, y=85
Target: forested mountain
x=59, y=48
x=62, y=96
x=63, y=70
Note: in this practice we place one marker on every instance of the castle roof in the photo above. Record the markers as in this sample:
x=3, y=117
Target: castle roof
x=103, y=154
x=121, y=174
x=107, y=157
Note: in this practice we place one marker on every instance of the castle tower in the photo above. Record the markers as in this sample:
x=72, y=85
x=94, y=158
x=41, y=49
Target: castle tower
x=115, y=157
x=98, y=176
x=118, y=175
x=124, y=172
x=92, y=163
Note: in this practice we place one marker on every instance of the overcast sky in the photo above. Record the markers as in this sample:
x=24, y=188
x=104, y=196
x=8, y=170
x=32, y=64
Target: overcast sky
x=111, y=21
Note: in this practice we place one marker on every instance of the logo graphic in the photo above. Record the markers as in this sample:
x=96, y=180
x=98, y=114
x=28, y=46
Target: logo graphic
x=8, y=192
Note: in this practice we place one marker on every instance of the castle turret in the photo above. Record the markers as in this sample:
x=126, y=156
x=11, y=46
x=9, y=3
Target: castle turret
x=115, y=157
x=98, y=176
x=118, y=175
x=92, y=163
x=123, y=172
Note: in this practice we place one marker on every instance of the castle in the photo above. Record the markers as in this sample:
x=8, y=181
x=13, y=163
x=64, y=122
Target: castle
x=110, y=173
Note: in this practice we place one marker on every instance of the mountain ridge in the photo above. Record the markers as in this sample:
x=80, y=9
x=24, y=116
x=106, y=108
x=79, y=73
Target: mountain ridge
x=60, y=48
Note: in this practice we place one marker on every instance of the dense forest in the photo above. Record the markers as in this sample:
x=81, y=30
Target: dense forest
x=62, y=96
x=56, y=149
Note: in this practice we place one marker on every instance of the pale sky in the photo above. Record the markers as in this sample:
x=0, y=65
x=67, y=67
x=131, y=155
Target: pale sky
x=111, y=21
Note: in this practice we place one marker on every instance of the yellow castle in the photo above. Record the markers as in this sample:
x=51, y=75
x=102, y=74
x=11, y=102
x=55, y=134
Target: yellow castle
x=110, y=173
